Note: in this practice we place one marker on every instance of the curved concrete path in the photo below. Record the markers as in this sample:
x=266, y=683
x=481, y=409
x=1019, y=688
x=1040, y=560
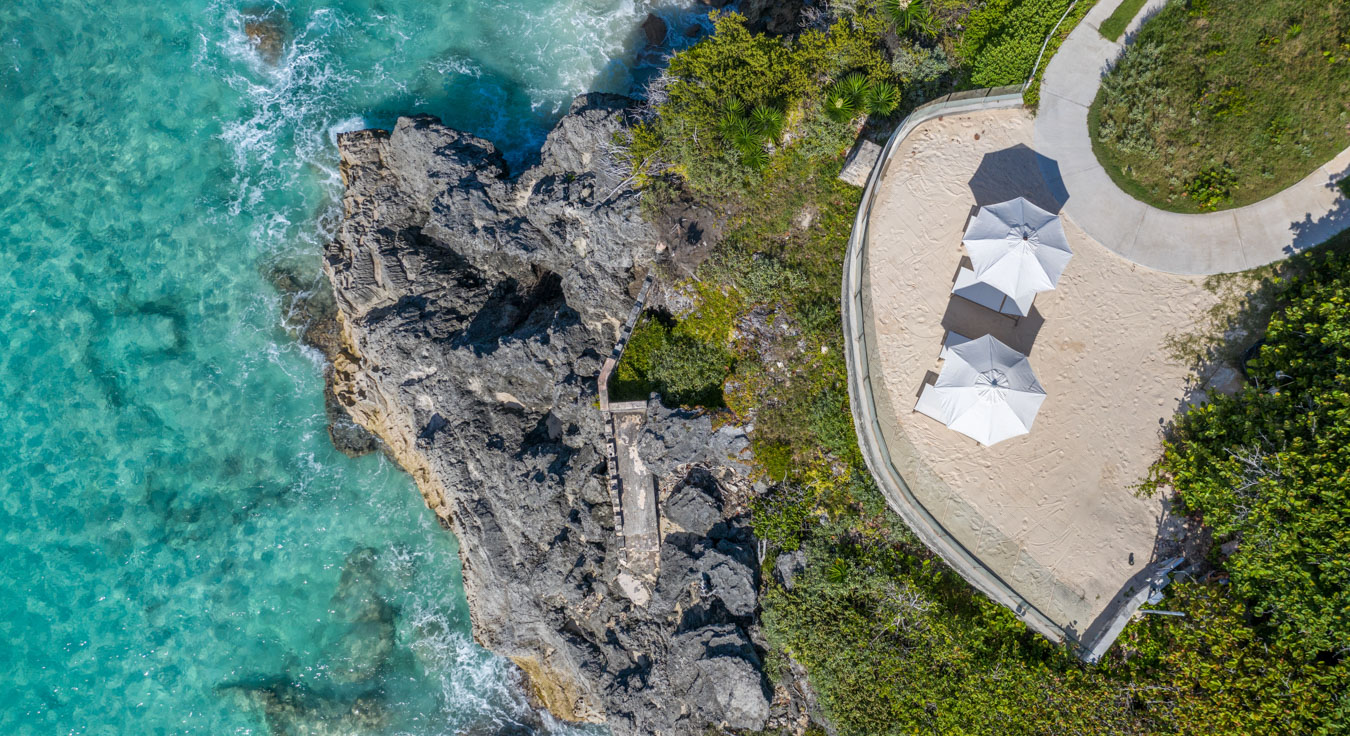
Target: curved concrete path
x=1297, y=218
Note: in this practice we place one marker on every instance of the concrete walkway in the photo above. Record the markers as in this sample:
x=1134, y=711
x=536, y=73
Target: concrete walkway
x=1300, y=217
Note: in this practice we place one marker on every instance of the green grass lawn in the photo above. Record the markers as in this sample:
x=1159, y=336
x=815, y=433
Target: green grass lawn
x=1221, y=103
x=1112, y=28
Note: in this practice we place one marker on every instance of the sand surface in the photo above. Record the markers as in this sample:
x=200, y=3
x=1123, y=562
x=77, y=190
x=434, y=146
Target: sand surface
x=1053, y=512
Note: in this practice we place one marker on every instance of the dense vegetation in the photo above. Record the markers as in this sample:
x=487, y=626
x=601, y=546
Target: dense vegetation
x=1270, y=468
x=1221, y=103
x=893, y=640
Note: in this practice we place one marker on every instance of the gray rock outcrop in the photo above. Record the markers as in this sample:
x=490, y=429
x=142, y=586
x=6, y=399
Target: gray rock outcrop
x=474, y=312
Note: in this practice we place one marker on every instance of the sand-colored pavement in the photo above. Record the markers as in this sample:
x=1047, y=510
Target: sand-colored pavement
x=1052, y=514
x=1295, y=219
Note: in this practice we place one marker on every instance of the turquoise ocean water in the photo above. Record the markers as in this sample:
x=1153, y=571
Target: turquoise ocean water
x=182, y=551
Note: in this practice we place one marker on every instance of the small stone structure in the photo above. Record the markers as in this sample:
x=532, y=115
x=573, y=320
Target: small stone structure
x=861, y=160
x=632, y=489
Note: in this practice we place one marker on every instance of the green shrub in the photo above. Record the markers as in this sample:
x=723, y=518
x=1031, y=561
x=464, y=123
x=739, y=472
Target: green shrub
x=1211, y=188
x=1211, y=672
x=688, y=371
x=1270, y=467
x=896, y=643
x=1131, y=100
x=1003, y=38
x=920, y=65
x=832, y=423
x=632, y=380
x=781, y=515
x=731, y=98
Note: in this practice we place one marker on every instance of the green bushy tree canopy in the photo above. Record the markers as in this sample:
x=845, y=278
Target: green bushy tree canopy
x=1270, y=467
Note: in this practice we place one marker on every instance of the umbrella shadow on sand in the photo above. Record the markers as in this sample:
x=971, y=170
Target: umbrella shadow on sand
x=1018, y=172
x=972, y=320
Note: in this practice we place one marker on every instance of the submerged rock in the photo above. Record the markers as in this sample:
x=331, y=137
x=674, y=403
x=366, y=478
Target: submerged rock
x=292, y=709
x=475, y=310
x=654, y=28
x=266, y=30
x=363, y=622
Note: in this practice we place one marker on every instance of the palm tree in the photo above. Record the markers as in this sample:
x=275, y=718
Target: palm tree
x=767, y=122
x=910, y=15
x=839, y=106
x=882, y=98
x=846, y=97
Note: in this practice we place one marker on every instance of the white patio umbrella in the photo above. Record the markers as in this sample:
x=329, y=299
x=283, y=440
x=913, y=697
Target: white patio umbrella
x=1017, y=247
x=988, y=391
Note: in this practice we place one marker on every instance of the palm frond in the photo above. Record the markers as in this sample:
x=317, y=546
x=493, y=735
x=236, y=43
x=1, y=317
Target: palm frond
x=755, y=159
x=767, y=122
x=882, y=98
x=839, y=106
x=855, y=85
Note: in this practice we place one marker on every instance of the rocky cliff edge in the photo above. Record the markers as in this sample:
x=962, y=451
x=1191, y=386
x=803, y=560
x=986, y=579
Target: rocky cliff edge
x=475, y=311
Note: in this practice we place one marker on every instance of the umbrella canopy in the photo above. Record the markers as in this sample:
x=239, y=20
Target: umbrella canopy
x=1017, y=247
x=988, y=391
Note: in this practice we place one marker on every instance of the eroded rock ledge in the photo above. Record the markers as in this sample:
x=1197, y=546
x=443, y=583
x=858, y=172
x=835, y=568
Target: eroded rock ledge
x=475, y=310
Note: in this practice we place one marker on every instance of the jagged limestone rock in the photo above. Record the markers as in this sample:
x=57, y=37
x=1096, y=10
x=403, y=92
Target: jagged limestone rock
x=475, y=309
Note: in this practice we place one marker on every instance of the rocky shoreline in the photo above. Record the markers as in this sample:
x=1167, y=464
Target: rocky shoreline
x=475, y=309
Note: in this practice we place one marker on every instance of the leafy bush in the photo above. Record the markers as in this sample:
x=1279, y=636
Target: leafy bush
x=730, y=100
x=1003, y=38
x=1131, y=98
x=1269, y=468
x=1211, y=188
x=689, y=371
x=896, y=643
x=632, y=379
x=780, y=516
x=919, y=65
x=1212, y=673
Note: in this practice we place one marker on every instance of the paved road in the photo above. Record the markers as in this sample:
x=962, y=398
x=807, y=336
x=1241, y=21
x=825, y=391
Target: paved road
x=1219, y=242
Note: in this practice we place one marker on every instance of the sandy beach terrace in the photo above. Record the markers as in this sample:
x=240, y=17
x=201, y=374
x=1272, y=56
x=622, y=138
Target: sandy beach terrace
x=1052, y=513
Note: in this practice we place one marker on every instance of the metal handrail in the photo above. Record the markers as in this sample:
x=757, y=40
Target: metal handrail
x=1046, y=44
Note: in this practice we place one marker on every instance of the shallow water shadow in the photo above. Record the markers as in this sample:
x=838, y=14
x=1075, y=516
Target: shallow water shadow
x=1016, y=172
